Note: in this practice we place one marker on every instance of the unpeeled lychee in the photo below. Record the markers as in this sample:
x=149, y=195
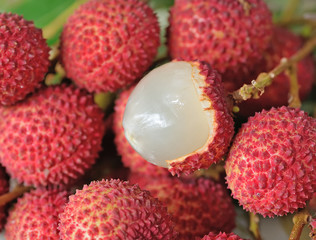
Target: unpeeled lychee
x=23, y=58
x=270, y=167
x=4, y=188
x=36, y=215
x=231, y=35
x=284, y=44
x=130, y=157
x=198, y=205
x=108, y=44
x=177, y=117
x=221, y=236
x=52, y=137
x=113, y=209
x=312, y=226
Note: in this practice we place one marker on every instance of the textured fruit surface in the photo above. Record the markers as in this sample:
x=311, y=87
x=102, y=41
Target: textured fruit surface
x=52, y=137
x=113, y=209
x=107, y=44
x=284, y=44
x=4, y=188
x=23, y=58
x=312, y=226
x=130, y=157
x=35, y=215
x=270, y=167
x=228, y=34
x=198, y=205
x=221, y=236
x=158, y=120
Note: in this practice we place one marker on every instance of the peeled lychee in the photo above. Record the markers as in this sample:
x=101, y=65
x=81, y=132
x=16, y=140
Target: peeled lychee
x=52, y=137
x=231, y=35
x=198, y=205
x=270, y=167
x=35, y=215
x=221, y=236
x=108, y=44
x=4, y=188
x=284, y=44
x=130, y=157
x=177, y=117
x=23, y=58
x=113, y=209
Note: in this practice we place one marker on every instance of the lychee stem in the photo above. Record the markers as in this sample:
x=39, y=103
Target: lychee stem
x=305, y=20
x=290, y=10
x=53, y=27
x=265, y=79
x=15, y=193
x=254, y=226
x=300, y=219
x=294, y=97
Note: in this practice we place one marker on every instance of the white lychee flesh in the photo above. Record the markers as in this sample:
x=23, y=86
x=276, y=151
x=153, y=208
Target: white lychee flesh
x=164, y=117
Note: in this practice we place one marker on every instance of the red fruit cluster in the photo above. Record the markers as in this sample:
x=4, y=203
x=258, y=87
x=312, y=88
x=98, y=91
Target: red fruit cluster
x=23, y=58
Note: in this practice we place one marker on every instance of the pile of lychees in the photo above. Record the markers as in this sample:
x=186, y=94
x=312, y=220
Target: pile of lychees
x=149, y=167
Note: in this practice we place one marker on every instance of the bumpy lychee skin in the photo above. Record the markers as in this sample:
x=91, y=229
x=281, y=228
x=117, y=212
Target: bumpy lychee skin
x=36, y=215
x=221, y=236
x=312, y=226
x=52, y=137
x=198, y=205
x=23, y=58
x=4, y=188
x=230, y=35
x=130, y=157
x=113, y=209
x=271, y=164
x=284, y=44
x=108, y=44
x=177, y=117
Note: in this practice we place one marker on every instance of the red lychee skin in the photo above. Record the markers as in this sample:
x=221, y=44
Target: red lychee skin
x=284, y=44
x=312, y=203
x=270, y=167
x=198, y=205
x=223, y=130
x=52, y=137
x=130, y=157
x=221, y=236
x=35, y=215
x=108, y=44
x=4, y=188
x=222, y=33
x=113, y=209
x=23, y=58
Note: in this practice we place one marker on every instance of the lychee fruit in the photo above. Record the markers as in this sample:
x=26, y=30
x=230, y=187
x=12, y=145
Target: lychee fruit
x=4, y=188
x=108, y=44
x=130, y=157
x=198, y=205
x=230, y=35
x=221, y=236
x=23, y=58
x=35, y=215
x=284, y=44
x=52, y=137
x=312, y=226
x=113, y=209
x=177, y=117
x=271, y=164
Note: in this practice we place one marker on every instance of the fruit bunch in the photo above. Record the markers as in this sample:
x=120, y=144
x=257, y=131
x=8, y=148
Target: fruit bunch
x=105, y=136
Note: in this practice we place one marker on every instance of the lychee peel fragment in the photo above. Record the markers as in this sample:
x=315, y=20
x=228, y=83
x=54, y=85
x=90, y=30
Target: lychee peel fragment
x=113, y=209
x=212, y=95
x=270, y=167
